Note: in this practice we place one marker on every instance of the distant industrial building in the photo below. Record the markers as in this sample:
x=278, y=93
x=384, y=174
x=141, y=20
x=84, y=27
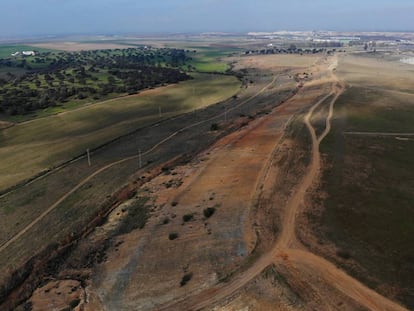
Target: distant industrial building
x=24, y=53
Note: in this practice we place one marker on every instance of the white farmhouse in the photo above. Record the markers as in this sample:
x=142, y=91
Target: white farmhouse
x=28, y=53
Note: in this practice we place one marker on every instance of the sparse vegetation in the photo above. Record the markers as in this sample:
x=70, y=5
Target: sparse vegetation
x=173, y=236
x=188, y=217
x=214, y=127
x=209, y=211
x=136, y=217
x=186, y=278
x=343, y=254
x=74, y=303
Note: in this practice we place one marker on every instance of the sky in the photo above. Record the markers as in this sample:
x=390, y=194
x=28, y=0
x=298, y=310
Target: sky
x=51, y=17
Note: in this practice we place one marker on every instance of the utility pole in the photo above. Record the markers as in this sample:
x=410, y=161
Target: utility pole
x=89, y=156
x=140, y=158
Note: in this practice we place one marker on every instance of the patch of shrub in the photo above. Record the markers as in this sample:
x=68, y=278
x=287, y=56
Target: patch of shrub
x=165, y=170
x=214, y=127
x=74, y=303
x=186, y=278
x=343, y=254
x=188, y=217
x=173, y=236
x=138, y=214
x=209, y=211
x=165, y=221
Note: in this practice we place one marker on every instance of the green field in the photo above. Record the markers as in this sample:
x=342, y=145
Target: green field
x=206, y=58
x=30, y=147
x=210, y=59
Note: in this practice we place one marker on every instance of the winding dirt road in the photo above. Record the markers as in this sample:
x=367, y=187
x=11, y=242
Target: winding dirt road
x=287, y=250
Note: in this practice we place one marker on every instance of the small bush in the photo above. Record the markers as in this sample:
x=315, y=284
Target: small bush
x=214, y=127
x=343, y=254
x=209, y=211
x=188, y=217
x=74, y=303
x=165, y=221
x=173, y=236
x=165, y=169
x=174, y=203
x=186, y=278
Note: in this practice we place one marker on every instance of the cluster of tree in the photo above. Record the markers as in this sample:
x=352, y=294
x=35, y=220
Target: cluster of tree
x=64, y=76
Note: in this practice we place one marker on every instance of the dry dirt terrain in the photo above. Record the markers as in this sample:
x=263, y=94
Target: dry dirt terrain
x=221, y=234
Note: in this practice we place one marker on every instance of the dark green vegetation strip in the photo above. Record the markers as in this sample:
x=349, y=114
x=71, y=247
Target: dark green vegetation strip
x=369, y=210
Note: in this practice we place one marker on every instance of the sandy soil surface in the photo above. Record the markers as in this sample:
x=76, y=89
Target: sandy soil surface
x=79, y=46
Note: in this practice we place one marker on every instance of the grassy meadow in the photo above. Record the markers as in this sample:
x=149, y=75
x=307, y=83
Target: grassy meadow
x=30, y=147
x=211, y=59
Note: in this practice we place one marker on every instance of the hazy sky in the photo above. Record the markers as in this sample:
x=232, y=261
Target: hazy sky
x=40, y=17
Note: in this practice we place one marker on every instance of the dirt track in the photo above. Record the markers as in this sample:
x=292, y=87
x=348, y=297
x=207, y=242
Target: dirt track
x=287, y=250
